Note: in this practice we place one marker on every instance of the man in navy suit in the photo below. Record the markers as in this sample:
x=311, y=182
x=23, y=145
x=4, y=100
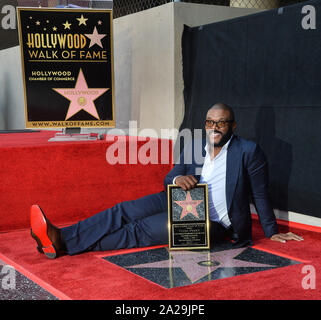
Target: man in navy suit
x=234, y=170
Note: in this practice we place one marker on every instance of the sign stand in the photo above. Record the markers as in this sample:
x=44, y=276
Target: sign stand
x=74, y=134
x=71, y=131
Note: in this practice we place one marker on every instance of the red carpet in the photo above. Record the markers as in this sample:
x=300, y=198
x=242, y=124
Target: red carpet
x=72, y=181
x=87, y=276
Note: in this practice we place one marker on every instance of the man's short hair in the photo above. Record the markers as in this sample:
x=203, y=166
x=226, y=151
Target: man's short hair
x=224, y=106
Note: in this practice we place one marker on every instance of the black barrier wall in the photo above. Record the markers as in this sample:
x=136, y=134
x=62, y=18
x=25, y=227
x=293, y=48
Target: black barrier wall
x=267, y=66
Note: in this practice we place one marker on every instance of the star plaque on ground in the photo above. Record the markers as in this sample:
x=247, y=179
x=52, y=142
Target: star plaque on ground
x=172, y=269
x=188, y=219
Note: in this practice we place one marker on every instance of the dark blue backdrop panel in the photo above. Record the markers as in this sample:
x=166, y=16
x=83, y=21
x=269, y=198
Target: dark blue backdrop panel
x=268, y=68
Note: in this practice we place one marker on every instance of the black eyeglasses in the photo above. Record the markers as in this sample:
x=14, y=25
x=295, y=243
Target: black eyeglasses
x=219, y=124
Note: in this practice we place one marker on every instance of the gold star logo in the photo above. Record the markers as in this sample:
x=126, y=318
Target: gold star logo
x=82, y=20
x=67, y=25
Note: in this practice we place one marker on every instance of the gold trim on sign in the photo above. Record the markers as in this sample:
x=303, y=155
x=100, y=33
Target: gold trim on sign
x=170, y=227
x=22, y=64
x=71, y=124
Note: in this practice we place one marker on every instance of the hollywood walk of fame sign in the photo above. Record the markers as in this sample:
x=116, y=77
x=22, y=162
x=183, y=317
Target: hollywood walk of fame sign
x=67, y=64
x=188, y=218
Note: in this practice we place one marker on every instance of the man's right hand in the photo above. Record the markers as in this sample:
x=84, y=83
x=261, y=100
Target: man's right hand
x=186, y=182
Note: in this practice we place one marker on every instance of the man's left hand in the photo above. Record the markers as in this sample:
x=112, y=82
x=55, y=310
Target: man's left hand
x=284, y=237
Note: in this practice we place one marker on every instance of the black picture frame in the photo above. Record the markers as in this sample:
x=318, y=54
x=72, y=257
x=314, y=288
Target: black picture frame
x=188, y=218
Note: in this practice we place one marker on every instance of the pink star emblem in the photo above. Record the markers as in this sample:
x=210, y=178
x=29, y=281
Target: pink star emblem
x=191, y=262
x=95, y=38
x=189, y=206
x=81, y=97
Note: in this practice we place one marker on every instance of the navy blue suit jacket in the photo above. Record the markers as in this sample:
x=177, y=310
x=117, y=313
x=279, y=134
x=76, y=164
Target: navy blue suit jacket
x=246, y=178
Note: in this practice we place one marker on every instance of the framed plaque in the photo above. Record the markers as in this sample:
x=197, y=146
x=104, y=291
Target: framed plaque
x=67, y=67
x=188, y=217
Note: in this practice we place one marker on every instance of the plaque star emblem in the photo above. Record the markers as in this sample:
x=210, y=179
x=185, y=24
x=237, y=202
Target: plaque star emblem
x=95, y=38
x=197, y=265
x=67, y=25
x=189, y=206
x=82, y=20
x=81, y=97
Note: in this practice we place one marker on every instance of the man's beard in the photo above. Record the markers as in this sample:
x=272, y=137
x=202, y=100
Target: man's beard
x=225, y=137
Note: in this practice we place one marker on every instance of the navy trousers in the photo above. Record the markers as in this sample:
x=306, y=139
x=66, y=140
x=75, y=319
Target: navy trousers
x=129, y=224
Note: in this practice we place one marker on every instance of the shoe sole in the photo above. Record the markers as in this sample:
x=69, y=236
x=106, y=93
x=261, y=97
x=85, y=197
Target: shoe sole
x=39, y=247
x=40, y=230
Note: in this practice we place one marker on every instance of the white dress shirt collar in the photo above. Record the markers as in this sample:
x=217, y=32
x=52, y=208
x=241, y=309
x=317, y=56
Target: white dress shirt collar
x=225, y=146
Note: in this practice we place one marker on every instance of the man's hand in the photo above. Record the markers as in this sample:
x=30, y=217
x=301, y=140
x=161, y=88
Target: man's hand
x=284, y=237
x=186, y=182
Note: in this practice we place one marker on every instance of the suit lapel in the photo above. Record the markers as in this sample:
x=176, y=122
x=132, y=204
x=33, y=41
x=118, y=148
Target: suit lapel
x=232, y=169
